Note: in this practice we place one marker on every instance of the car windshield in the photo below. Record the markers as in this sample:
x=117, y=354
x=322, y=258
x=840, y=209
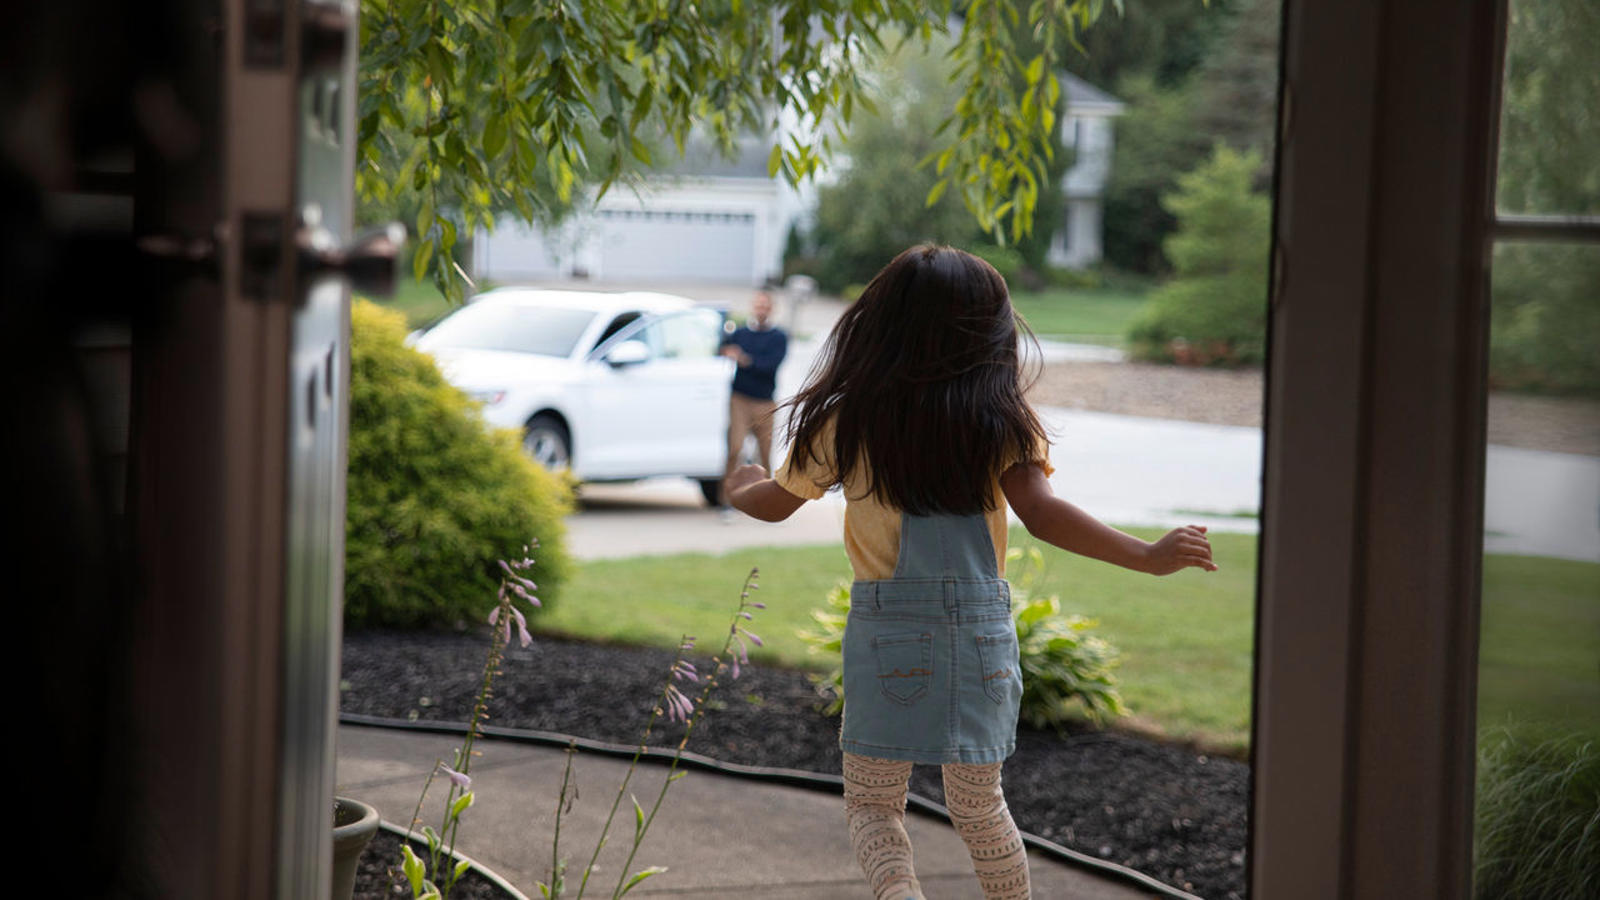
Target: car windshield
x=544, y=330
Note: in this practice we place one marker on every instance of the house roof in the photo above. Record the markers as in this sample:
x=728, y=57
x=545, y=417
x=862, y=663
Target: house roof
x=1084, y=98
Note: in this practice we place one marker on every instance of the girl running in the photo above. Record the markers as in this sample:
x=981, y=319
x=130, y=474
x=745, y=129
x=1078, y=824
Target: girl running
x=916, y=410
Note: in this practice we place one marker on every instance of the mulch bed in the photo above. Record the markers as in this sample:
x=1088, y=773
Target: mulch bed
x=378, y=875
x=1167, y=811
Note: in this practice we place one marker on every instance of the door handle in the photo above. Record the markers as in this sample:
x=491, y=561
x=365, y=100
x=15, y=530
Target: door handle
x=369, y=263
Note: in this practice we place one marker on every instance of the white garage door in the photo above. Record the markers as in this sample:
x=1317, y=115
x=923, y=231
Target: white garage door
x=515, y=252
x=638, y=245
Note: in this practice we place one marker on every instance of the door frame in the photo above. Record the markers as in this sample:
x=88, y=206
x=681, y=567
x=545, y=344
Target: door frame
x=1367, y=622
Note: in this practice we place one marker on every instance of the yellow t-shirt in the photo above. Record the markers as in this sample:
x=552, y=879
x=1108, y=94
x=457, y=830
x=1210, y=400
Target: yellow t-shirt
x=872, y=529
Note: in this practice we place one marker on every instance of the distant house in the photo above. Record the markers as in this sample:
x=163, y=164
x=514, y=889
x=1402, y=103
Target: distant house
x=718, y=220
x=1086, y=131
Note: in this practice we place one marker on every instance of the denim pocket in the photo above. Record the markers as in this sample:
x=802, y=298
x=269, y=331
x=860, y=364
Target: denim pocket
x=905, y=665
x=997, y=662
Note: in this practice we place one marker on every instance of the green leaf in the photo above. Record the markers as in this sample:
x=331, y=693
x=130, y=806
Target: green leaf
x=461, y=868
x=938, y=190
x=774, y=160
x=424, y=254
x=462, y=804
x=494, y=136
x=638, y=817
x=412, y=865
x=640, y=876
x=641, y=152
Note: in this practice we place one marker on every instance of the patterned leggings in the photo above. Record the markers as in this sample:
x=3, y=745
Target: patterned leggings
x=875, y=804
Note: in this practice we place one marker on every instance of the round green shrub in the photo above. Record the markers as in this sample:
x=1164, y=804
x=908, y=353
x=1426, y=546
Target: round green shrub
x=1214, y=309
x=435, y=497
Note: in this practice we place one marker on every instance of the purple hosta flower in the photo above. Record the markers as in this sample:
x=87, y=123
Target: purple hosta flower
x=756, y=604
x=679, y=707
x=754, y=637
x=459, y=779
x=733, y=667
x=511, y=573
x=518, y=590
x=523, y=637
x=685, y=670
x=687, y=645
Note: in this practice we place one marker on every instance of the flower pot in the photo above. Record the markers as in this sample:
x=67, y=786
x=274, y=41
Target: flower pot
x=354, y=824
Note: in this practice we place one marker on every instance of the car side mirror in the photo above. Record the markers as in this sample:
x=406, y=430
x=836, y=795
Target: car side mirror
x=628, y=353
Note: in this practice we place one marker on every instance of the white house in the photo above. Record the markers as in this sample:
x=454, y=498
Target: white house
x=1086, y=131
x=717, y=220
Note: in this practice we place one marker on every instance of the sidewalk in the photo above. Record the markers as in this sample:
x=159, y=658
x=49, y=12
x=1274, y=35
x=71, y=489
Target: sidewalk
x=719, y=836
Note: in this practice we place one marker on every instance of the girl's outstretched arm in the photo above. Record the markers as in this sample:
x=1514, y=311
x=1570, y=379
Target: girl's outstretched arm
x=1051, y=519
x=754, y=494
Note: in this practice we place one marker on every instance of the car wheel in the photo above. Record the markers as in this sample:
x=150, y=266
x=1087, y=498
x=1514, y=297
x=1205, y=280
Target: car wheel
x=546, y=440
x=711, y=488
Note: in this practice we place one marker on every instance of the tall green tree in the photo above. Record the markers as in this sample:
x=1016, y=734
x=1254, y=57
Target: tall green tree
x=1196, y=74
x=1237, y=85
x=1156, y=141
x=476, y=107
x=878, y=204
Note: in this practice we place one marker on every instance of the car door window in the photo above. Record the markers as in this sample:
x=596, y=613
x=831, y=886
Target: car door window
x=623, y=320
x=691, y=335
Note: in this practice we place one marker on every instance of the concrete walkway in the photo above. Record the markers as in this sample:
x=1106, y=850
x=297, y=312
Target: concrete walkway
x=719, y=836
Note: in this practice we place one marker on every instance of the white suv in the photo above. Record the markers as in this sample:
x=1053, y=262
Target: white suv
x=613, y=386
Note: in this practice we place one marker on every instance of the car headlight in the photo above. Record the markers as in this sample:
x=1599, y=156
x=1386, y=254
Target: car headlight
x=487, y=398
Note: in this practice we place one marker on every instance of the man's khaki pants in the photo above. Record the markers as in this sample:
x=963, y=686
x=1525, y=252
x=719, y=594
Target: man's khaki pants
x=746, y=415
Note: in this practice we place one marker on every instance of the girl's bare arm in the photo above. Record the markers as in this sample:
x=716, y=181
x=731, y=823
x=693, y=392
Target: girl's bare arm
x=754, y=494
x=1052, y=519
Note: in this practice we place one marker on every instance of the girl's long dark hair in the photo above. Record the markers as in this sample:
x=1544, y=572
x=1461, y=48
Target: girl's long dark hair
x=922, y=379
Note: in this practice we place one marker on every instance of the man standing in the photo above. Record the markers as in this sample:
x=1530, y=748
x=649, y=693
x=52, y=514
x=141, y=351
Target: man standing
x=758, y=347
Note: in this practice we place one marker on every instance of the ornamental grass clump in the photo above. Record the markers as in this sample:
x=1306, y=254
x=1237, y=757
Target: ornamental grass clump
x=1066, y=668
x=1537, y=818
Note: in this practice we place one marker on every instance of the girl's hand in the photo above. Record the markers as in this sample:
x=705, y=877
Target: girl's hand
x=1180, y=548
x=743, y=477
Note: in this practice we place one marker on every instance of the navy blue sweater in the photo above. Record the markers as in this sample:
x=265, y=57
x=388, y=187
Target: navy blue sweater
x=766, y=348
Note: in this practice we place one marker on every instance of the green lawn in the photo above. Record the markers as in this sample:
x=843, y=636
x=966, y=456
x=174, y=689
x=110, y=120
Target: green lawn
x=1100, y=315
x=1186, y=640
x=419, y=300
x=1539, y=655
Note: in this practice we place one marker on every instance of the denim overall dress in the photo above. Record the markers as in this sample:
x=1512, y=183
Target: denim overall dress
x=930, y=655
